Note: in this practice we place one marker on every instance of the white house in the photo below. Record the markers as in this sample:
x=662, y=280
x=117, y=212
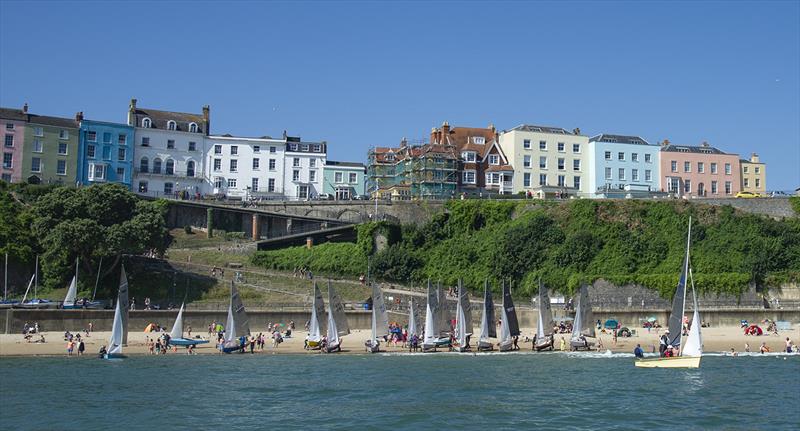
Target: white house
x=304, y=161
x=168, y=151
x=245, y=167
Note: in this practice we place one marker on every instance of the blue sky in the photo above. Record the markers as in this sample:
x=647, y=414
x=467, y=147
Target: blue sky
x=359, y=74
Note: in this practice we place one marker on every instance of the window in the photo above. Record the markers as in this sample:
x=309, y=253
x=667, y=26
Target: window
x=526, y=179
x=621, y=174
x=254, y=184
x=526, y=161
x=353, y=178
x=542, y=179
x=122, y=139
x=156, y=166
x=526, y=144
x=142, y=186
x=90, y=151
x=338, y=177
x=171, y=125
x=167, y=188
x=106, y=153
x=121, y=173
x=576, y=148
x=90, y=136
x=634, y=157
x=648, y=158
x=106, y=137
x=701, y=167
x=648, y=175
x=292, y=147
x=145, y=141
x=5, y=177
x=271, y=185
x=295, y=175
x=713, y=187
x=744, y=169
x=687, y=186
x=9, y=126
x=271, y=164
x=576, y=182
x=9, y=142
x=304, y=147
x=543, y=145
x=144, y=165
x=234, y=150
x=494, y=159
x=170, y=144
x=36, y=164
x=608, y=155
x=190, y=168
x=302, y=192
x=193, y=127
x=687, y=167
x=713, y=168
x=480, y=140
x=542, y=162
x=217, y=165
x=218, y=183
x=621, y=156
x=38, y=131
x=634, y=175
x=758, y=169
x=61, y=167
x=192, y=146
x=469, y=177
x=7, y=160
x=317, y=148
x=272, y=150
x=37, y=146
x=727, y=187
x=727, y=168
x=312, y=176
x=169, y=167
x=234, y=166
x=146, y=123
x=63, y=134
x=312, y=163
x=560, y=146
x=747, y=182
x=97, y=172
x=562, y=182
x=608, y=174
x=758, y=182
x=296, y=162
x=560, y=164
x=62, y=148
x=576, y=164
x=217, y=149
x=256, y=163
x=232, y=183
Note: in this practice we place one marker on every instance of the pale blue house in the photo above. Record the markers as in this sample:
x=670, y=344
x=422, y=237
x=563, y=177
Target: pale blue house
x=344, y=180
x=622, y=166
x=105, y=153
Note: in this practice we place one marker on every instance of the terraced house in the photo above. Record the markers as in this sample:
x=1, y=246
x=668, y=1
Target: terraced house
x=169, y=150
x=344, y=180
x=427, y=171
x=105, y=153
x=622, y=166
x=547, y=161
x=305, y=161
x=699, y=171
x=12, y=123
x=50, y=153
x=754, y=175
x=245, y=167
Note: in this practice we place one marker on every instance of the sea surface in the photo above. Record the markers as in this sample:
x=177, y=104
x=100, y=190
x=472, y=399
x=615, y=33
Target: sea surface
x=391, y=391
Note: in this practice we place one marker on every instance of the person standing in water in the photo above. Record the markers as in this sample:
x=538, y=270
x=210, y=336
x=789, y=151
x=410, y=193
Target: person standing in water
x=788, y=345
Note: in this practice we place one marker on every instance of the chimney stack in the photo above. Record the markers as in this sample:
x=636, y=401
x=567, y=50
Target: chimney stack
x=705, y=144
x=25, y=108
x=79, y=116
x=754, y=158
x=207, y=118
x=132, y=113
x=665, y=143
x=445, y=131
x=576, y=130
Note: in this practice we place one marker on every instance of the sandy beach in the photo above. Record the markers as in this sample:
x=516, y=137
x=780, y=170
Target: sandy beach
x=714, y=339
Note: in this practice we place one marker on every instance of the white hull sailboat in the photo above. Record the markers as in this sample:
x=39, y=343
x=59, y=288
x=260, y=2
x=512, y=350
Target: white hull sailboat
x=337, y=322
x=114, y=350
x=691, y=351
x=435, y=335
x=463, y=321
x=544, y=328
x=583, y=325
x=509, y=326
x=237, y=327
x=314, y=338
x=176, y=337
x=380, y=320
x=488, y=328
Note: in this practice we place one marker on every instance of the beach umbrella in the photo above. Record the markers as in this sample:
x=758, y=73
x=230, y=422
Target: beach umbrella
x=651, y=319
x=611, y=324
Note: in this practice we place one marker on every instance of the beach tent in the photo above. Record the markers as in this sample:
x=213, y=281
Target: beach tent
x=753, y=330
x=611, y=324
x=651, y=319
x=150, y=328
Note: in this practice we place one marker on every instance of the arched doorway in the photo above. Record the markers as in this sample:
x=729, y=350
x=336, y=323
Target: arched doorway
x=701, y=189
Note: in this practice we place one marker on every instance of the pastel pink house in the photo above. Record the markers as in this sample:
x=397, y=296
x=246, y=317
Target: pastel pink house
x=12, y=125
x=699, y=171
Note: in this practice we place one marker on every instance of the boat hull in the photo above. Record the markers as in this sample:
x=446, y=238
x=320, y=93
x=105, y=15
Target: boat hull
x=484, y=346
x=186, y=342
x=676, y=362
x=113, y=356
x=506, y=346
x=431, y=347
x=543, y=346
x=372, y=347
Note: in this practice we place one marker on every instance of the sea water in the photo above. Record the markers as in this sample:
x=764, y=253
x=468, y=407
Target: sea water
x=391, y=391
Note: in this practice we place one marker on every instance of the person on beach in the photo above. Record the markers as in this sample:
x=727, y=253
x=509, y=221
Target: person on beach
x=733, y=352
x=81, y=348
x=70, y=347
x=638, y=352
x=562, y=344
x=669, y=352
x=764, y=349
x=663, y=343
x=747, y=347
x=788, y=345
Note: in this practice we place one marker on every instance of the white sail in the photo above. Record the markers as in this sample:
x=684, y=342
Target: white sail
x=72, y=292
x=412, y=321
x=380, y=316
x=461, y=326
x=115, y=343
x=484, y=325
x=313, y=326
x=177, y=328
x=24, y=297
x=333, y=332
x=505, y=331
x=540, y=325
x=230, y=325
x=430, y=331
x=694, y=342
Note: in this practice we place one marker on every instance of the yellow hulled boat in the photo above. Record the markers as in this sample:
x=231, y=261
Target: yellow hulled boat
x=674, y=362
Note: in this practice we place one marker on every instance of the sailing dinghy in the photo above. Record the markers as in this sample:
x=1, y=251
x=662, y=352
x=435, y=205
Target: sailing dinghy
x=314, y=337
x=690, y=353
x=380, y=320
x=337, y=322
x=463, y=321
x=237, y=328
x=435, y=319
x=488, y=328
x=544, y=328
x=583, y=325
x=114, y=350
x=509, y=327
x=176, y=337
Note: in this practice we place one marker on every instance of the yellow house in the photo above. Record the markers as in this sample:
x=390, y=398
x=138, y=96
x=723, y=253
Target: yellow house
x=754, y=175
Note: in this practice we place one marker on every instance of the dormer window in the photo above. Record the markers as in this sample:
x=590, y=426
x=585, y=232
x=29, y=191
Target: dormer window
x=480, y=140
x=468, y=156
x=193, y=127
x=171, y=125
x=494, y=159
x=390, y=157
x=146, y=123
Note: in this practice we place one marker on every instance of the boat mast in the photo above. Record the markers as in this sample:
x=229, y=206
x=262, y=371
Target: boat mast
x=97, y=281
x=686, y=272
x=36, y=278
x=5, y=281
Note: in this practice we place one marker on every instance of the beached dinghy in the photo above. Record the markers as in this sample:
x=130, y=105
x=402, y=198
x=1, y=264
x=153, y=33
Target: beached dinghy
x=435, y=320
x=583, y=325
x=176, y=337
x=114, y=350
x=237, y=327
x=36, y=302
x=690, y=353
x=544, y=328
x=71, y=299
x=315, y=328
x=463, y=321
x=380, y=320
x=412, y=319
x=509, y=327
x=337, y=322
x=488, y=328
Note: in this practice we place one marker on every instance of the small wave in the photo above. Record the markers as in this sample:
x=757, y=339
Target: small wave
x=752, y=354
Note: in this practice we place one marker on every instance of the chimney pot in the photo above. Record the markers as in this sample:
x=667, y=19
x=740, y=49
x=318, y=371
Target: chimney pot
x=79, y=116
x=576, y=130
x=133, y=103
x=25, y=108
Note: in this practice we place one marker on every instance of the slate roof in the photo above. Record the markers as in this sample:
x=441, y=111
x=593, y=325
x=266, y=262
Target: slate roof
x=691, y=149
x=159, y=119
x=542, y=129
x=344, y=164
x=13, y=114
x=619, y=139
x=53, y=121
